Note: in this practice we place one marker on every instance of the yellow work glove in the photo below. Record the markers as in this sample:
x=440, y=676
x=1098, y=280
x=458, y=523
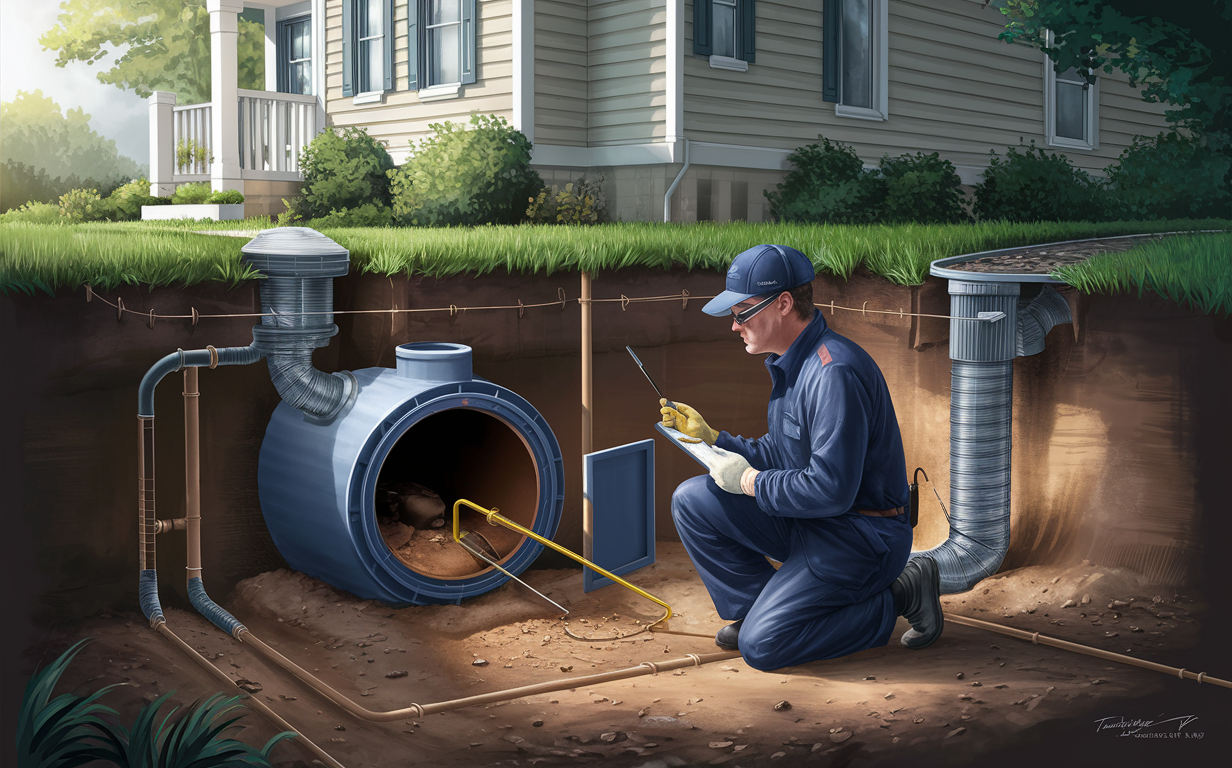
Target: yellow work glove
x=683, y=418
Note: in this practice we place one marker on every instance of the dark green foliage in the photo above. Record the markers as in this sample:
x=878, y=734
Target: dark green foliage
x=342, y=168
x=458, y=176
x=1169, y=176
x=226, y=197
x=59, y=732
x=124, y=204
x=193, y=193
x=921, y=188
x=21, y=183
x=195, y=739
x=1032, y=185
x=366, y=215
x=828, y=185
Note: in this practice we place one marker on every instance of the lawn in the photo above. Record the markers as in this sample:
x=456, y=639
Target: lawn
x=47, y=257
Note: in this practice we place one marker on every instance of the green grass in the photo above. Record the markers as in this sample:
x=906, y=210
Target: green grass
x=1194, y=271
x=36, y=257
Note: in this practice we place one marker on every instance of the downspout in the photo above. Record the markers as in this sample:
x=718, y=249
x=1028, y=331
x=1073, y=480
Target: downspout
x=982, y=356
x=667, y=198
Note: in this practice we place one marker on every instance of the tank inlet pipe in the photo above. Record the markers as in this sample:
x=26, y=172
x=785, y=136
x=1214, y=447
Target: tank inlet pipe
x=667, y=198
x=494, y=518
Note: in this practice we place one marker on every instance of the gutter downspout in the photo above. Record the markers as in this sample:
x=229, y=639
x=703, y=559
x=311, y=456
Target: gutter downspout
x=667, y=198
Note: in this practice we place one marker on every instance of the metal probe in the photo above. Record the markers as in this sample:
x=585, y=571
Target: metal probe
x=477, y=553
x=670, y=404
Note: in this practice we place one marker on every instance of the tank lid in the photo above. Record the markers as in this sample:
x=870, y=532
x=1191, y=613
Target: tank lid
x=296, y=252
x=432, y=350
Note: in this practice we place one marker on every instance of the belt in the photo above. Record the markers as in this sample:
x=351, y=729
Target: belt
x=882, y=513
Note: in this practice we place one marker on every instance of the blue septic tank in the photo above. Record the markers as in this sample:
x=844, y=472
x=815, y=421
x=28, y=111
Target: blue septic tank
x=431, y=424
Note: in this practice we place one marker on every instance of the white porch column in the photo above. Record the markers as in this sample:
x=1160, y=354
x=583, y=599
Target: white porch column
x=162, y=143
x=271, y=44
x=224, y=73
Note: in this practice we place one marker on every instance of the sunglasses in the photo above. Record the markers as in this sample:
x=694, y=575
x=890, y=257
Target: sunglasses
x=746, y=315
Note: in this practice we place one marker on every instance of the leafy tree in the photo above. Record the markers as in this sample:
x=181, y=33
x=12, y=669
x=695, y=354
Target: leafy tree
x=44, y=153
x=168, y=45
x=1176, y=52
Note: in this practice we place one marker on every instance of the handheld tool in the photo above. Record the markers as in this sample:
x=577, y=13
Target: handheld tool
x=670, y=404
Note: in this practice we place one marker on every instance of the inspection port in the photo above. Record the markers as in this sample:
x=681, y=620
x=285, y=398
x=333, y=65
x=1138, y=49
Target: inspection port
x=460, y=453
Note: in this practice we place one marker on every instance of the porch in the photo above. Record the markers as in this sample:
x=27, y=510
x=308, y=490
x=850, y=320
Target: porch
x=246, y=140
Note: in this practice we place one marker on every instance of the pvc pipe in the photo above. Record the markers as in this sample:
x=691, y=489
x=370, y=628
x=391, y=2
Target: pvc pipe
x=667, y=198
x=587, y=370
x=192, y=473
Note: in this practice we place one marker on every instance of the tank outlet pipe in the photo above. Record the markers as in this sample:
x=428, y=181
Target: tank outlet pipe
x=297, y=301
x=667, y=197
x=981, y=420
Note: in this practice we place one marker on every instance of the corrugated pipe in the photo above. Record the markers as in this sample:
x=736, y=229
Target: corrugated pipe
x=981, y=421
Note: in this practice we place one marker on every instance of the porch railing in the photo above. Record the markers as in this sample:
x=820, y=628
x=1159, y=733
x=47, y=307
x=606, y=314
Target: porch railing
x=273, y=130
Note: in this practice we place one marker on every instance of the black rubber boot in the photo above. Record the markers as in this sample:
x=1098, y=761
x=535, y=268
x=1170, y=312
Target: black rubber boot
x=728, y=637
x=917, y=597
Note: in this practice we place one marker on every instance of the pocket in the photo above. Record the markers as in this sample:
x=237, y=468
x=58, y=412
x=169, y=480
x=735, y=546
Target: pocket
x=842, y=550
x=790, y=427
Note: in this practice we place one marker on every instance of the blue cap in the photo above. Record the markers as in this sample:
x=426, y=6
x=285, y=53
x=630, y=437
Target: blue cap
x=761, y=270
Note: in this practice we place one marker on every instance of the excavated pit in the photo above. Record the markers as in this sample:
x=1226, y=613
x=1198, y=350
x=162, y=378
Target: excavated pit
x=460, y=454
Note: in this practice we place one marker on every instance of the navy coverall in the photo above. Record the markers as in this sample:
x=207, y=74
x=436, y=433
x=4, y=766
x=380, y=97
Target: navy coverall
x=833, y=448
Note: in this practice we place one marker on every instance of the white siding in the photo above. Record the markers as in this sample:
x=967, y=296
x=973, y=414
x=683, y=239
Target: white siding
x=403, y=118
x=627, y=66
x=560, y=72
x=954, y=88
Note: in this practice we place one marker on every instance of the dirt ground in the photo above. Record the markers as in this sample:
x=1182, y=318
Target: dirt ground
x=973, y=695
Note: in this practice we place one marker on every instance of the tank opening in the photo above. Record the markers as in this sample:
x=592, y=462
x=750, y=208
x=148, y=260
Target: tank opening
x=457, y=453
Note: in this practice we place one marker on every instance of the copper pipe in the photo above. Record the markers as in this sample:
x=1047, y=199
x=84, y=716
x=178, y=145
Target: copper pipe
x=1099, y=653
x=192, y=471
x=420, y=710
x=251, y=701
x=146, y=521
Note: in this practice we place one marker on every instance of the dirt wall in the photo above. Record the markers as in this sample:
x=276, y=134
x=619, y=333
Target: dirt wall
x=1119, y=435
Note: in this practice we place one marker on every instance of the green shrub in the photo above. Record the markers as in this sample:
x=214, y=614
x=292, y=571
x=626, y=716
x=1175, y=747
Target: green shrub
x=342, y=169
x=226, y=197
x=580, y=202
x=194, y=193
x=461, y=176
x=80, y=205
x=366, y=215
x=33, y=213
x=827, y=185
x=922, y=188
x=1169, y=176
x=124, y=204
x=1032, y=185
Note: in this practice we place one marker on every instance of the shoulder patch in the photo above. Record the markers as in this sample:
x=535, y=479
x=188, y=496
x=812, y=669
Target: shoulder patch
x=824, y=354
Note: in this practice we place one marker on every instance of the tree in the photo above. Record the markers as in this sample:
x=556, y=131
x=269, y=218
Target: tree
x=1176, y=52
x=168, y=45
x=45, y=153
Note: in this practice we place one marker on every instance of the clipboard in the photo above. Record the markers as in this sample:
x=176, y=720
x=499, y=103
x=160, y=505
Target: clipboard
x=700, y=452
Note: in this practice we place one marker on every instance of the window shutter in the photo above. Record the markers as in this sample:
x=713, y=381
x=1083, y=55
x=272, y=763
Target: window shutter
x=412, y=42
x=748, y=18
x=348, y=48
x=831, y=24
x=283, y=48
x=703, y=45
x=387, y=24
x=468, y=46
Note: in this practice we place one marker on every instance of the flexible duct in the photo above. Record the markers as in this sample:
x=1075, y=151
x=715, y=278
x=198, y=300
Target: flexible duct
x=981, y=420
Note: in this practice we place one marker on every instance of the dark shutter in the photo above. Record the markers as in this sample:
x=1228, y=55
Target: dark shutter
x=468, y=46
x=831, y=24
x=282, y=45
x=348, y=48
x=747, y=42
x=703, y=44
x=387, y=24
x=412, y=44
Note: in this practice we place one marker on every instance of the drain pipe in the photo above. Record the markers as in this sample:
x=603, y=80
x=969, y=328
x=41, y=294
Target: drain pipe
x=982, y=353
x=667, y=198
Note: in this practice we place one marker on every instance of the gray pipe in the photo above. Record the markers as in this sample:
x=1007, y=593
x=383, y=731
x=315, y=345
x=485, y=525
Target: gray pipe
x=981, y=421
x=297, y=297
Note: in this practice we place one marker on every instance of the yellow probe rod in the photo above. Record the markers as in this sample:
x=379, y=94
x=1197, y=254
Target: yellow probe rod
x=495, y=518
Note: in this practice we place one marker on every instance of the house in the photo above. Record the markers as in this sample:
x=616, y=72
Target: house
x=690, y=107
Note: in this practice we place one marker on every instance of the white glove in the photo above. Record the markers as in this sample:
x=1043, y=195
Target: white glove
x=728, y=469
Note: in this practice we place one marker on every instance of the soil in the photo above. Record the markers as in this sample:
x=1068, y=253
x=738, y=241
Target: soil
x=972, y=694
x=1044, y=259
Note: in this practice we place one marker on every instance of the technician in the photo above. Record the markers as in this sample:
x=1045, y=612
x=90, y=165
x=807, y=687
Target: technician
x=824, y=492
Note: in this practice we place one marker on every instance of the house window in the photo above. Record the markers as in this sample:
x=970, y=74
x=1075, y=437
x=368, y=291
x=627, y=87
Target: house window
x=723, y=30
x=367, y=48
x=855, y=71
x=441, y=36
x=295, y=55
x=1071, y=107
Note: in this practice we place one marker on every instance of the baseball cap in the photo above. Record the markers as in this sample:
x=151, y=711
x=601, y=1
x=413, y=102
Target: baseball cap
x=761, y=270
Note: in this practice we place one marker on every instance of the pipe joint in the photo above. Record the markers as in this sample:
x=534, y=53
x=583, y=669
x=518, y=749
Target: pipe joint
x=166, y=526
